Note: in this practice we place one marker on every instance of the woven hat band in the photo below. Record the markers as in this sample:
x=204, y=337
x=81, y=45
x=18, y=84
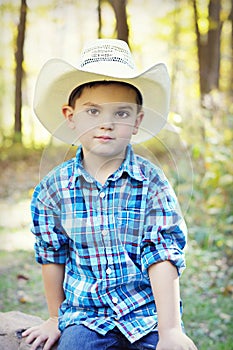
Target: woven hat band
x=108, y=54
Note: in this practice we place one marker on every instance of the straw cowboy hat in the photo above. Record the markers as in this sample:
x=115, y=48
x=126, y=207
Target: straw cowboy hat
x=102, y=59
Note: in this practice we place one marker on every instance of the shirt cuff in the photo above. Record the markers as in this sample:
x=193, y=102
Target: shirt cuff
x=153, y=254
x=45, y=253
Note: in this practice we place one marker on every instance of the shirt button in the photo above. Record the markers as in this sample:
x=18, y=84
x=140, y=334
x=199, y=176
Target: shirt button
x=108, y=271
x=104, y=232
x=114, y=300
x=102, y=194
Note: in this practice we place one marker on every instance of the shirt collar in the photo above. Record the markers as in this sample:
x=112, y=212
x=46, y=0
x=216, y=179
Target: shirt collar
x=130, y=165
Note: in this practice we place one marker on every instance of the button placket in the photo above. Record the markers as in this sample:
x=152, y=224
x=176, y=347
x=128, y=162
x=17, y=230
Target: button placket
x=115, y=300
x=102, y=195
x=117, y=317
x=104, y=232
x=108, y=271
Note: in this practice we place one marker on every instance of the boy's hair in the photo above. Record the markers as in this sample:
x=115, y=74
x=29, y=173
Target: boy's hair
x=76, y=93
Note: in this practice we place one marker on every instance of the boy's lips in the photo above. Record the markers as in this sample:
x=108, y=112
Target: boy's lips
x=104, y=138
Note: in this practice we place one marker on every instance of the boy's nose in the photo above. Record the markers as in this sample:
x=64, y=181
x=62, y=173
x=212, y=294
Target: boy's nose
x=107, y=121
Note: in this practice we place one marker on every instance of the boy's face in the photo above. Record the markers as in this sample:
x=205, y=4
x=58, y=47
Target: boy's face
x=105, y=117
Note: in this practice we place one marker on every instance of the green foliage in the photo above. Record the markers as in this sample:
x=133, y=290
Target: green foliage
x=210, y=218
x=207, y=293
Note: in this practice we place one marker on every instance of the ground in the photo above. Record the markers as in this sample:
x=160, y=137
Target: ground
x=206, y=284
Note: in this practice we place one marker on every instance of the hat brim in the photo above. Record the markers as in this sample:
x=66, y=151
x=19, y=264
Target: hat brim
x=57, y=79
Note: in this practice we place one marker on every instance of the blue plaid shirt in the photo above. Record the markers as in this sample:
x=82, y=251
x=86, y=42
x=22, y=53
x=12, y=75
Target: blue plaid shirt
x=107, y=236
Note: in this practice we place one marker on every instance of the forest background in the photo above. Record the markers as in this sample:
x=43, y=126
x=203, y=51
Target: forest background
x=194, y=38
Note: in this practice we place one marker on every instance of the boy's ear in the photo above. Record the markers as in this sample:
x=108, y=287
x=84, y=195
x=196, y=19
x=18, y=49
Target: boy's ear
x=68, y=113
x=138, y=121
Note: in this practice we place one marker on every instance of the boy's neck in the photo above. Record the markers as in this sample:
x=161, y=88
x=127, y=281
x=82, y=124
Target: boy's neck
x=101, y=168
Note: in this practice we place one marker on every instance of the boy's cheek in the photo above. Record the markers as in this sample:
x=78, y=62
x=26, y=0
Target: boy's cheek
x=71, y=124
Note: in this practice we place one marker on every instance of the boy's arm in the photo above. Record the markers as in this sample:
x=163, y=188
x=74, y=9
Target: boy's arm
x=53, y=276
x=48, y=333
x=165, y=285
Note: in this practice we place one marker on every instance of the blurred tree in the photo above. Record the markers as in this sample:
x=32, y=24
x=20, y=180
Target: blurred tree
x=100, y=19
x=208, y=24
x=231, y=19
x=208, y=43
x=19, y=57
x=119, y=7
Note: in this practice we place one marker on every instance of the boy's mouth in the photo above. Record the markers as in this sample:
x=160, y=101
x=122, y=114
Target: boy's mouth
x=104, y=138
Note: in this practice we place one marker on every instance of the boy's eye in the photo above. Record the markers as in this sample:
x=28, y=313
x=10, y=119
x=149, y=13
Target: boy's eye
x=122, y=114
x=93, y=111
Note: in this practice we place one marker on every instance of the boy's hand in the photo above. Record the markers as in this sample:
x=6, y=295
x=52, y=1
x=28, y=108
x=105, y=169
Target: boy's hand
x=176, y=340
x=45, y=334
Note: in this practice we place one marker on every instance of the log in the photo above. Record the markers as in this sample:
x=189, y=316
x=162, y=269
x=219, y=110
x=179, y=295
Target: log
x=12, y=324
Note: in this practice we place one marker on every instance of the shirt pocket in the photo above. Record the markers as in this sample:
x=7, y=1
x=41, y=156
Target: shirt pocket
x=129, y=228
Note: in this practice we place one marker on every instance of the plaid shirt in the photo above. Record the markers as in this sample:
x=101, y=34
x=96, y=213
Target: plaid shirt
x=107, y=237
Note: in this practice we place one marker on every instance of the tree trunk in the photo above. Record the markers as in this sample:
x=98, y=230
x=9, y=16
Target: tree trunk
x=119, y=7
x=231, y=19
x=209, y=48
x=202, y=53
x=214, y=36
x=19, y=57
x=99, y=19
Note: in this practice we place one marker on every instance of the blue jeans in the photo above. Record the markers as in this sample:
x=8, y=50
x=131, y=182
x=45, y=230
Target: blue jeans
x=79, y=337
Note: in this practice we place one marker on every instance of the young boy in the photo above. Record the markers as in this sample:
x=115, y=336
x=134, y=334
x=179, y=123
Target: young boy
x=108, y=231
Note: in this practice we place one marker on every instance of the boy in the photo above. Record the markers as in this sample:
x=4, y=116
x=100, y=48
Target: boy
x=108, y=232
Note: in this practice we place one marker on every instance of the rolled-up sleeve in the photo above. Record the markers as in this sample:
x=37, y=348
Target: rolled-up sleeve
x=165, y=232
x=50, y=238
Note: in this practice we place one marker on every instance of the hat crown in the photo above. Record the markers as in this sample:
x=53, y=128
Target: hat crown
x=109, y=57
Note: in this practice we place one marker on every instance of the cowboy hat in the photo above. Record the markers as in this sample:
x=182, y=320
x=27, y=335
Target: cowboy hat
x=101, y=59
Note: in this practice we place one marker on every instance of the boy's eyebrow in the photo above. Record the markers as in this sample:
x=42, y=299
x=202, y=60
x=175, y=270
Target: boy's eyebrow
x=121, y=105
x=127, y=107
x=92, y=104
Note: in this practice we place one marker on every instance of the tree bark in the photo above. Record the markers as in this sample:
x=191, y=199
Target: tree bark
x=214, y=36
x=119, y=7
x=19, y=57
x=201, y=52
x=231, y=19
x=99, y=19
x=209, y=48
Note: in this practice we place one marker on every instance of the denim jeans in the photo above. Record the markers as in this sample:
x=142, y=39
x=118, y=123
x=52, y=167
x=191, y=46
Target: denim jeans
x=79, y=337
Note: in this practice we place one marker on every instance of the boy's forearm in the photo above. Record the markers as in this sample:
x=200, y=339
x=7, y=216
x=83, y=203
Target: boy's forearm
x=165, y=285
x=53, y=276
